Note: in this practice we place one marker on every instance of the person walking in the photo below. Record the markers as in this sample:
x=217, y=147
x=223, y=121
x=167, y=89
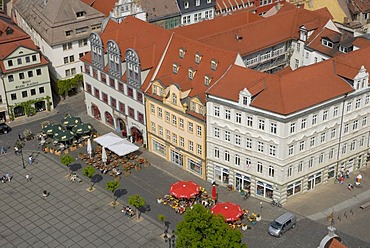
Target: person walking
x=45, y=194
x=30, y=159
x=341, y=180
x=28, y=178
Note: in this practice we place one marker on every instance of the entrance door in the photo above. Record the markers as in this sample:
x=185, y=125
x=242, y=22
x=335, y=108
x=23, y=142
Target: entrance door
x=311, y=182
x=177, y=158
x=122, y=127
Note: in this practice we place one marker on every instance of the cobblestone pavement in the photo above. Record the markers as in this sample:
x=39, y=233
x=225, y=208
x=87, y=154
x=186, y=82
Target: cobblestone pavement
x=311, y=208
x=69, y=217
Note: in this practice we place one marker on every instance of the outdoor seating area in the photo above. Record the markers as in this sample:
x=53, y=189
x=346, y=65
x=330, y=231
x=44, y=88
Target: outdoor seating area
x=65, y=137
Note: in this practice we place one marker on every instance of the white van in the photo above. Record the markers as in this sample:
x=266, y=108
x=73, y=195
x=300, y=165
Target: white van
x=282, y=224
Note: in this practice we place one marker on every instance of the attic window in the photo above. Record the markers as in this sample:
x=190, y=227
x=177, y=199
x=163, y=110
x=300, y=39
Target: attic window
x=181, y=53
x=343, y=49
x=213, y=65
x=197, y=58
x=186, y=5
x=9, y=31
x=69, y=33
x=207, y=80
x=175, y=68
x=81, y=14
x=327, y=43
x=191, y=73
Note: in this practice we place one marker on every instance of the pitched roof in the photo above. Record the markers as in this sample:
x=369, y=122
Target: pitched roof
x=257, y=35
x=160, y=9
x=286, y=93
x=333, y=6
x=16, y=32
x=348, y=65
x=104, y=6
x=52, y=18
x=197, y=85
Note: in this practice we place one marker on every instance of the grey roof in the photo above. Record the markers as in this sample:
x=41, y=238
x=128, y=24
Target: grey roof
x=192, y=7
x=51, y=18
x=160, y=9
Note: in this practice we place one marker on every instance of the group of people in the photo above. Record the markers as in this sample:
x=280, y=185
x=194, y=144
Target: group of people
x=6, y=177
x=128, y=211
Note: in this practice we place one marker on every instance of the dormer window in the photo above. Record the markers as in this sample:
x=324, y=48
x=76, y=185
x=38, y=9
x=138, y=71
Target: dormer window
x=343, y=49
x=9, y=31
x=303, y=34
x=197, y=58
x=81, y=14
x=327, y=43
x=174, y=98
x=213, y=65
x=197, y=2
x=207, y=80
x=181, y=53
x=175, y=68
x=186, y=5
x=191, y=73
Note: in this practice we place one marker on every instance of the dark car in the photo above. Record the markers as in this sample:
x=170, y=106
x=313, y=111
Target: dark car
x=4, y=128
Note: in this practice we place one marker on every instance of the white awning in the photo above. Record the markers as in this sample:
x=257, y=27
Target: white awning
x=116, y=144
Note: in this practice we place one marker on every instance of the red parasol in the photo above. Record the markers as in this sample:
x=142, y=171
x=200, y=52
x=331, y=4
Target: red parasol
x=184, y=189
x=214, y=192
x=231, y=211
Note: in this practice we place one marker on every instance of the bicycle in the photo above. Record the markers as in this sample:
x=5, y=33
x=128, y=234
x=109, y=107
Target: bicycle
x=276, y=203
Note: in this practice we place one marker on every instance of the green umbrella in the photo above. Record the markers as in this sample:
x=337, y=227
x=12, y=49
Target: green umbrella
x=70, y=121
x=52, y=128
x=64, y=135
x=82, y=128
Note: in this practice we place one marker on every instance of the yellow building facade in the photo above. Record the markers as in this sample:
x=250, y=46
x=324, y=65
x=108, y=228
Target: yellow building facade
x=176, y=127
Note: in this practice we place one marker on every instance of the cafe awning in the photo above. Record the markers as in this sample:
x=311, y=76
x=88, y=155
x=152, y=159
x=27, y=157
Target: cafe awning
x=116, y=144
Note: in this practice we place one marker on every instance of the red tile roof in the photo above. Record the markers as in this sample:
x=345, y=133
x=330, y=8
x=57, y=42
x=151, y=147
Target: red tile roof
x=104, y=6
x=259, y=34
x=17, y=34
x=349, y=64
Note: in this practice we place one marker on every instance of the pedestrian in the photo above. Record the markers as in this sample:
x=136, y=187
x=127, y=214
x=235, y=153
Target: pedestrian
x=30, y=159
x=347, y=173
x=28, y=177
x=341, y=180
x=350, y=186
x=19, y=137
x=45, y=194
x=3, y=150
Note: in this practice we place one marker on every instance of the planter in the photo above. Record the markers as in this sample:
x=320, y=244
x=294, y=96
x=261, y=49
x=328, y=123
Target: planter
x=137, y=167
x=127, y=173
x=73, y=148
x=159, y=200
x=51, y=150
x=258, y=218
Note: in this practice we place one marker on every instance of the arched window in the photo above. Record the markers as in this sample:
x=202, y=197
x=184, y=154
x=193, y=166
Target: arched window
x=96, y=51
x=133, y=73
x=114, y=59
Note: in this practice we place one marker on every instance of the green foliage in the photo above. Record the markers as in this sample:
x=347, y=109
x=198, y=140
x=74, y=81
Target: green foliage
x=112, y=186
x=88, y=171
x=201, y=229
x=137, y=201
x=66, y=159
x=65, y=86
x=161, y=217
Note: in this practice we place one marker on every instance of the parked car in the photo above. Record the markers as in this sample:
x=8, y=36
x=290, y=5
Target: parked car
x=282, y=224
x=4, y=128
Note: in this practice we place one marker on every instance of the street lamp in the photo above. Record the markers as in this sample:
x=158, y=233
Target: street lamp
x=169, y=238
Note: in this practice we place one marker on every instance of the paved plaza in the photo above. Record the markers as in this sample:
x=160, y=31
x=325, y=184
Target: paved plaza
x=69, y=217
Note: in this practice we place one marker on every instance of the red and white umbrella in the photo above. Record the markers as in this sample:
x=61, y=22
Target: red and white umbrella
x=184, y=189
x=229, y=210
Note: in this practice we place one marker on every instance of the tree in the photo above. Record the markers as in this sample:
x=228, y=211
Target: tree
x=138, y=202
x=162, y=218
x=89, y=171
x=112, y=186
x=201, y=229
x=67, y=160
x=65, y=86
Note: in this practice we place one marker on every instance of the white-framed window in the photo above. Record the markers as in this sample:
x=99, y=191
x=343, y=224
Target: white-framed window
x=182, y=141
x=259, y=167
x=331, y=153
x=355, y=124
x=159, y=148
x=199, y=149
x=174, y=120
x=273, y=128
x=367, y=99
x=323, y=137
x=261, y=124
x=290, y=149
x=199, y=130
x=362, y=141
x=300, y=166
x=346, y=128
x=358, y=103
x=353, y=145
x=174, y=98
x=216, y=111
x=321, y=158
x=272, y=150
x=260, y=146
x=160, y=130
x=301, y=145
x=303, y=123
x=292, y=127
x=167, y=116
x=153, y=127
x=216, y=132
x=325, y=115
x=160, y=114
x=237, y=139
x=227, y=114
x=152, y=109
x=271, y=171
x=364, y=121
x=237, y=160
x=314, y=119
x=174, y=138
x=333, y=133
x=181, y=123
x=248, y=143
x=190, y=127
x=290, y=171
x=168, y=134
x=227, y=156
x=191, y=145
x=216, y=152
x=312, y=141
x=349, y=106
x=186, y=5
x=238, y=117
x=335, y=111
x=227, y=136
x=344, y=149
x=310, y=162
x=249, y=121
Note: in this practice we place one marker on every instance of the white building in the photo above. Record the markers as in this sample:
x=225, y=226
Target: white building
x=60, y=28
x=283, y=135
